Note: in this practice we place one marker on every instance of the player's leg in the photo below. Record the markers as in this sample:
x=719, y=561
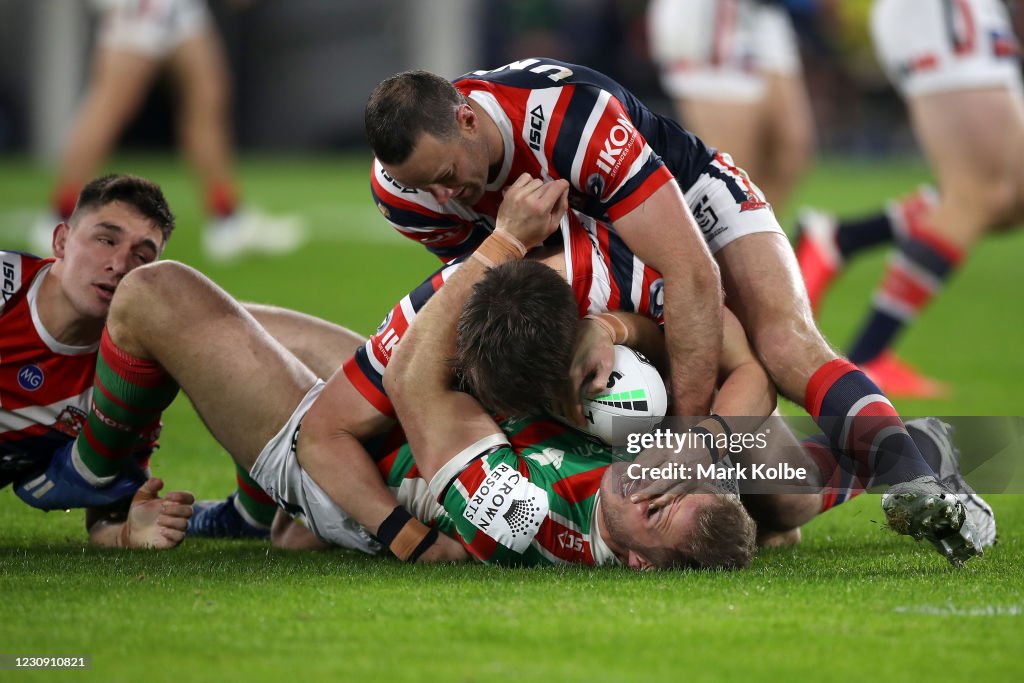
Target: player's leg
x=788, y=140
x=119, y=82
x=764, y=289
x=243, y=383
x=203, y=86
x=974, y=140
x=320, y=345
x=200, y=69
x=733, y=125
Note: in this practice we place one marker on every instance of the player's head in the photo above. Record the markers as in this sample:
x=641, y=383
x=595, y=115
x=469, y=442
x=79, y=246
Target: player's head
x=705, y=528
x=516, y=337
x=119, y=223
x=427, y=136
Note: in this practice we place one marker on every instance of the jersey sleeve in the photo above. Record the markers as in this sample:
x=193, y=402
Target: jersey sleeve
x=365, y=369
x=418, y=216
x=602, y=154
x=495, y=508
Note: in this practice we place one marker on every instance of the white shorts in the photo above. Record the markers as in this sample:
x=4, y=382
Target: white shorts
x=928, y=46
x=721, y=49
x=727, y=205
x=154, y=28
x=277, y=471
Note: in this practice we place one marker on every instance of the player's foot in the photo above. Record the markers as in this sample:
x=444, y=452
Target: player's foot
x=40, y=237
x=223, y=519
x=924, y=508
x=948, y=470
x=817, y=253
x=249, y=231
x=897, y=379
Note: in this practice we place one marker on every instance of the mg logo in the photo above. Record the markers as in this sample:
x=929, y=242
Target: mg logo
x=30, y=377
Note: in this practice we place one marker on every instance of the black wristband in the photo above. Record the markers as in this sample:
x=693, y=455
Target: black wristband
x=725, y=425
x=427, y=541
x=394, y=523
x=715, y=457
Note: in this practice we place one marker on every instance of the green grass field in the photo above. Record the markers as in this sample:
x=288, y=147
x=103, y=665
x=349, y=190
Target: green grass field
x=853, y=601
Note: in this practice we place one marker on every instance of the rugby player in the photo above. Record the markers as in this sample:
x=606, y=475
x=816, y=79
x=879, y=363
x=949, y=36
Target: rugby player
x=52, y=314
x=135, y=43
x=222, y=358
x=732, y=68
x=446, y=151
x=957, y=67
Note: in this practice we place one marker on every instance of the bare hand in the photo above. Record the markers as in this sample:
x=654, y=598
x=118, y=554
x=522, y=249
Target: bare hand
x=660, y=492
x=155, y=522
x=444, y=549
x=532, y=209
x=592, y=364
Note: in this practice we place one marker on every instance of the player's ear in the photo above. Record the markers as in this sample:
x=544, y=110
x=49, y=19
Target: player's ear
x=60, y=239
x=466, y=118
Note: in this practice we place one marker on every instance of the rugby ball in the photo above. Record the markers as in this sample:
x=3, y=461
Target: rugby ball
x=634, y=401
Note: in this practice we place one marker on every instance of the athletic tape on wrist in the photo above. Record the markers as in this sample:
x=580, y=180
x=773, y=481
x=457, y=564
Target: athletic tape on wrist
x=615, y=328
x=405, y=535
x=498, y=248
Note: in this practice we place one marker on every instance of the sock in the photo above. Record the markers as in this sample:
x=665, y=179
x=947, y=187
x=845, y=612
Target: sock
x=255, y=506
x=860, y=422
x=64, y=199
x=841, y=479
x=859, y=234
x=917, y=271
x=128, y=396
x=221, y=199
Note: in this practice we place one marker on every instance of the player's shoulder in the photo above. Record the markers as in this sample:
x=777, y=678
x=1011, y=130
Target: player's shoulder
x=17, y=269
x=537, y=73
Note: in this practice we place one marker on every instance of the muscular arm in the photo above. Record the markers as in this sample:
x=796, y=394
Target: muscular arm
x=439, y=421
x=744, y=386
x=662, y=233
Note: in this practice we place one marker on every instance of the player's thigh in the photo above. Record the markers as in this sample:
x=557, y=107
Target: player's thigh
x=764, y=289
x=120, y=81
x=200, y=70
x=243, y=383
x=974, y=140
x=736, y=127
x=790, y=123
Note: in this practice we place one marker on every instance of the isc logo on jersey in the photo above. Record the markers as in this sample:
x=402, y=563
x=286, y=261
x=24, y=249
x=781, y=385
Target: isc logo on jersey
x=635, y=400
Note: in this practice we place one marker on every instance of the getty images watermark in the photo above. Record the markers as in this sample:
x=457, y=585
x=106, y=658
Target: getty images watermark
x=796, y=455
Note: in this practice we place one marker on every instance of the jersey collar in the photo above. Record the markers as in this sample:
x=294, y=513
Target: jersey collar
x=48, y=339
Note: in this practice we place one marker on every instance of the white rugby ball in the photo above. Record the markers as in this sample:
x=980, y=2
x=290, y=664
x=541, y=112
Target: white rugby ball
x=634, y=401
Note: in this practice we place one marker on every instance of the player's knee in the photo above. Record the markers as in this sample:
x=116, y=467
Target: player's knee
x=790, y=348
x=145, y=289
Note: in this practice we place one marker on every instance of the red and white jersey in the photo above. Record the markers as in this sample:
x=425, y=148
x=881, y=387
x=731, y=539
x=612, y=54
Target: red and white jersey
x=556, y=120
x=603, y=273
x=45, y=386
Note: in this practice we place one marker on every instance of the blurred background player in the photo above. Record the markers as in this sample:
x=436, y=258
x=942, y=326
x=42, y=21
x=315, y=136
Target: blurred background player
x=956, y=65
x=732, y=69
x=137, y=41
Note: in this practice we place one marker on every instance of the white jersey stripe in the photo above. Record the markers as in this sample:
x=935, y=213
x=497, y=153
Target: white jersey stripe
x=585, y=138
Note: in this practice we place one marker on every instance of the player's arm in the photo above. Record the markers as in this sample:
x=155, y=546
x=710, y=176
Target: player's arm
x=662, y=233
x=148, y=522
x=745, y=389
x=594, y=357
x=439, y=421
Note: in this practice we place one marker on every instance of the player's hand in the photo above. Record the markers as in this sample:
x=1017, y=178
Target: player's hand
x=155, y=522
x=444, y=549
x=660, y=492
x=592, y=364
x=532, y=209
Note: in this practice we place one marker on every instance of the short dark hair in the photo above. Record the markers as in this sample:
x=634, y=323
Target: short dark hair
x=515, y=338
x=403, y=106
x=142, y=195
x=724, y=536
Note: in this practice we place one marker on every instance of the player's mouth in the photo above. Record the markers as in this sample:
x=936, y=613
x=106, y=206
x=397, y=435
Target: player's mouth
x=106, y=292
